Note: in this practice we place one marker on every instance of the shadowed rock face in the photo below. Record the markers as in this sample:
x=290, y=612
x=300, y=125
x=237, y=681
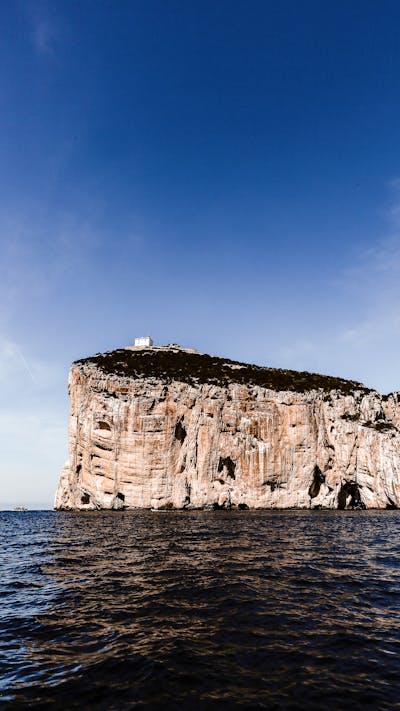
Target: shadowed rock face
x=164, y=428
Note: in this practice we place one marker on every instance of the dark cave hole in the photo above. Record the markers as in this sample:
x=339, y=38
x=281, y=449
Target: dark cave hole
x=318, y=479
x=350, y=488
x=180, y=432
x=228, y=464
x=104, y=426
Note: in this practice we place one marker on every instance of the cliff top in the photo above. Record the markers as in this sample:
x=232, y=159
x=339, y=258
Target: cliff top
x=195, y=368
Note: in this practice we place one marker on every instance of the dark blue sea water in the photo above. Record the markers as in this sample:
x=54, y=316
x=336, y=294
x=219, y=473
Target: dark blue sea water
x=200, y=610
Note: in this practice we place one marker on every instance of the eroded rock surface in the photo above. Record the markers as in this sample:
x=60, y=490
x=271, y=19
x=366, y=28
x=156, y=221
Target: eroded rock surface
x=163, y=428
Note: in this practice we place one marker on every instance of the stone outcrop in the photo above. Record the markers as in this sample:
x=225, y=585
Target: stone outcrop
x=168, y=428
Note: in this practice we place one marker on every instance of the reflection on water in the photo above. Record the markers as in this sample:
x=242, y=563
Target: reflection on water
x=213, y=610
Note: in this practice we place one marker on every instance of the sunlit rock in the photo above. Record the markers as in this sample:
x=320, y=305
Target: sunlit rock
x=170, y=428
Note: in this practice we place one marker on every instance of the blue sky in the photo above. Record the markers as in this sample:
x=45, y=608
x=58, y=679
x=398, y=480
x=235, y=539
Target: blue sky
x=220, y=174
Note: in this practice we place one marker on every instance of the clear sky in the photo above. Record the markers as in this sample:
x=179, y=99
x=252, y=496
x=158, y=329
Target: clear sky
x=224, y=175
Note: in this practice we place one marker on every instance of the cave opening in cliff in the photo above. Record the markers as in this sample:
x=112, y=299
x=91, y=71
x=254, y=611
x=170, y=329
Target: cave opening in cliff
x=85, y=499
x=120, y=496
x=350, y=489
x=318, y=479
x=180, y=432
x=104, y=426
x=229, y=465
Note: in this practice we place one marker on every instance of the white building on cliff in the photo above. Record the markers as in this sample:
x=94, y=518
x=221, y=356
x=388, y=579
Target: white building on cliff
x=144, y=341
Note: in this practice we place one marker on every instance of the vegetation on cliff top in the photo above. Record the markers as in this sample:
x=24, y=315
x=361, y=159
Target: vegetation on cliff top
x=195, y=368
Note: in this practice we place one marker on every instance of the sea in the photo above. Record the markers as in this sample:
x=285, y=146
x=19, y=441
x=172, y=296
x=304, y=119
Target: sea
x=200, y=610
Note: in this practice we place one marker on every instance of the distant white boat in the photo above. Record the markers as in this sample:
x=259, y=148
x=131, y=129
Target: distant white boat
x=20, y=508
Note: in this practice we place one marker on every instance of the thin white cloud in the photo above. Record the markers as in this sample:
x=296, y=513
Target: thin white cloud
x=43, y=37
x=17, y=366
x=33, y=447
x=33, y=424
x=44, y=28
x=361, y=337
x=11, y=364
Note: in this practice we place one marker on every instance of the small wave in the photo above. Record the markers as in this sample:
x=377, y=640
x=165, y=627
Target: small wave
x=201, y=610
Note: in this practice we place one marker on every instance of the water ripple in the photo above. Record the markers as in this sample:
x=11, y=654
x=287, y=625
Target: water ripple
x=208, y=610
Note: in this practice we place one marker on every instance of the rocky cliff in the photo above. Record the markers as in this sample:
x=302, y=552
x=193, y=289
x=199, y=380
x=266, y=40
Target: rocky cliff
x=164, y=428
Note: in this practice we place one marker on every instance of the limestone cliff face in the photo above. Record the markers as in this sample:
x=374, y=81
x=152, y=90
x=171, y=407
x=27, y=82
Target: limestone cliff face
x=170, y=429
